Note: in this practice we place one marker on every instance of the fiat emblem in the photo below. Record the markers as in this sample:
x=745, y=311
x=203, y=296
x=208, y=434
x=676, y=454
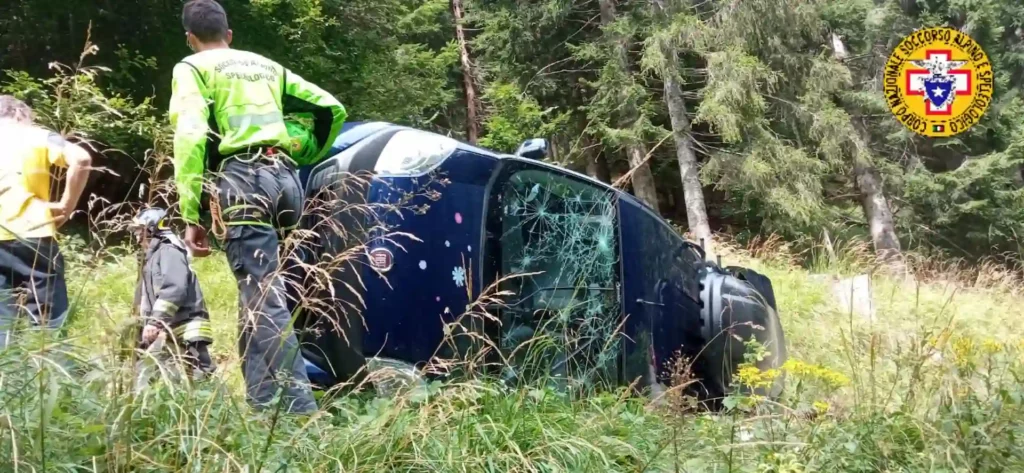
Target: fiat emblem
x=381, y=259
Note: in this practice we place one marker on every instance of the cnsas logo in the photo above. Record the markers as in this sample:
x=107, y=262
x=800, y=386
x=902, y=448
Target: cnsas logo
x=938, y=82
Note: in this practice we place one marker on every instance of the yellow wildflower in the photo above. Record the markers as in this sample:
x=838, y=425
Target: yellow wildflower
x=963, y=351
x=752, y=376
x=796, y=367
x=748, y=374
x=991, y=346
x=830, y=377
x=821, y=406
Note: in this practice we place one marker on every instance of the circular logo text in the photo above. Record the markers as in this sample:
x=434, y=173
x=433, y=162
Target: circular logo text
x=938, y=82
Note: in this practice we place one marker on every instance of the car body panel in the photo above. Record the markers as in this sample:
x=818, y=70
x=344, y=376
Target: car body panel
x=407, y=306
x=423, y=273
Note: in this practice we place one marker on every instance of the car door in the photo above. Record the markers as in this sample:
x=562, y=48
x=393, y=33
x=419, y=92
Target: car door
x=552, y=244
x=660, y=294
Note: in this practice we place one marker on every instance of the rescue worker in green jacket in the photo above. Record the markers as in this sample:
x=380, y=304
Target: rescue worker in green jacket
x=228, y=111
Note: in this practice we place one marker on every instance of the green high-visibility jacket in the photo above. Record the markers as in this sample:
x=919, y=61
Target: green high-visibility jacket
x=227, y=101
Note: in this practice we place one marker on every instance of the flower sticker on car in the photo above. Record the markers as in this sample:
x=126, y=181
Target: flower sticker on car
x=459, y=276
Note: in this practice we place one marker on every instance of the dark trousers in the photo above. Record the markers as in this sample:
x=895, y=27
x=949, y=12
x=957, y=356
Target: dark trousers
x=261, y=201
x=32, y=283
x=197, y=355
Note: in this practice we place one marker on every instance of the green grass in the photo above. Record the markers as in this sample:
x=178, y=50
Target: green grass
x=933, y=384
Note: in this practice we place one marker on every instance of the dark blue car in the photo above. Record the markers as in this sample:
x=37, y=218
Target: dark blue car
x=456, y=249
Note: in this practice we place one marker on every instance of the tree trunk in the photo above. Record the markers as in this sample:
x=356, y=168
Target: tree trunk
x=878, y=214
x=472, y=120
x=869, y=185
x=696, y=211
x=597, y=168
x=594, y=163
x=677, y=204
x=642, y=178
x=838, y=49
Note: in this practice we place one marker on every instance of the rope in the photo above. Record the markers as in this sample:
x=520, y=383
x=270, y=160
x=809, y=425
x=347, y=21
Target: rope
x=217, y=225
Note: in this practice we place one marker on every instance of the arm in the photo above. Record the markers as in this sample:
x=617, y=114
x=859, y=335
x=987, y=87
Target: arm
x=189, y=114
x=78, y=161
x=328, y=113
x=170, y=284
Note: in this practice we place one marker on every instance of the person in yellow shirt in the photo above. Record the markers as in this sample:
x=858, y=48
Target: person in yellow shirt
x=31, y=265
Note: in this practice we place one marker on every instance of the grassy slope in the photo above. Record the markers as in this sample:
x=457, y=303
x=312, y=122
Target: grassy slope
x=896, y=394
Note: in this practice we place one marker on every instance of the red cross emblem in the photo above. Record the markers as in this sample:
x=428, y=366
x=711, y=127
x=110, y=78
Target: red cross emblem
x=916, y=81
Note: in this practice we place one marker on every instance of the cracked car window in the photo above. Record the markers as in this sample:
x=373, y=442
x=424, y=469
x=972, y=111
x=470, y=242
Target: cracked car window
x=559, y=235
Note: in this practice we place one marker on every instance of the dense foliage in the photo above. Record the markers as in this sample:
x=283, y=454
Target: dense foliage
x=775, y=105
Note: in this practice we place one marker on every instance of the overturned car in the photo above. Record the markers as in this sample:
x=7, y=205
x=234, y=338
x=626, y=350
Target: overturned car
x=563, y=272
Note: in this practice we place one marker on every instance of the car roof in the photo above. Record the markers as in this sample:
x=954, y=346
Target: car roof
x=353, y=132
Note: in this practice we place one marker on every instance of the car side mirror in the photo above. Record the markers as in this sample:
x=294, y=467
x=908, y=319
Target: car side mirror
x=534, y=148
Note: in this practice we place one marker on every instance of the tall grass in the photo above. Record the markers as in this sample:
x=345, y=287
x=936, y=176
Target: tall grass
x=933, y=383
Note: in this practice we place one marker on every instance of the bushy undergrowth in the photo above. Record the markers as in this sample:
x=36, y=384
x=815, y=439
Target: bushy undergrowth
x=932, y=383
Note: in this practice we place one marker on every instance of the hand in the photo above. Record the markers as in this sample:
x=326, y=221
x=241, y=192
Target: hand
x=59, y=212
x=196, y=240
x=149, y=334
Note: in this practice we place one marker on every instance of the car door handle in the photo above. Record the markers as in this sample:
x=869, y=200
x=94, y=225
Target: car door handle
x=641, y=301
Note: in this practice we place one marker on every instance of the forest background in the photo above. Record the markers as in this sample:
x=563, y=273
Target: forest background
x=750, y=118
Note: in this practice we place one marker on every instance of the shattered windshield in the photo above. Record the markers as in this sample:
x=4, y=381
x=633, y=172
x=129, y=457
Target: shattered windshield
x=559, y=240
